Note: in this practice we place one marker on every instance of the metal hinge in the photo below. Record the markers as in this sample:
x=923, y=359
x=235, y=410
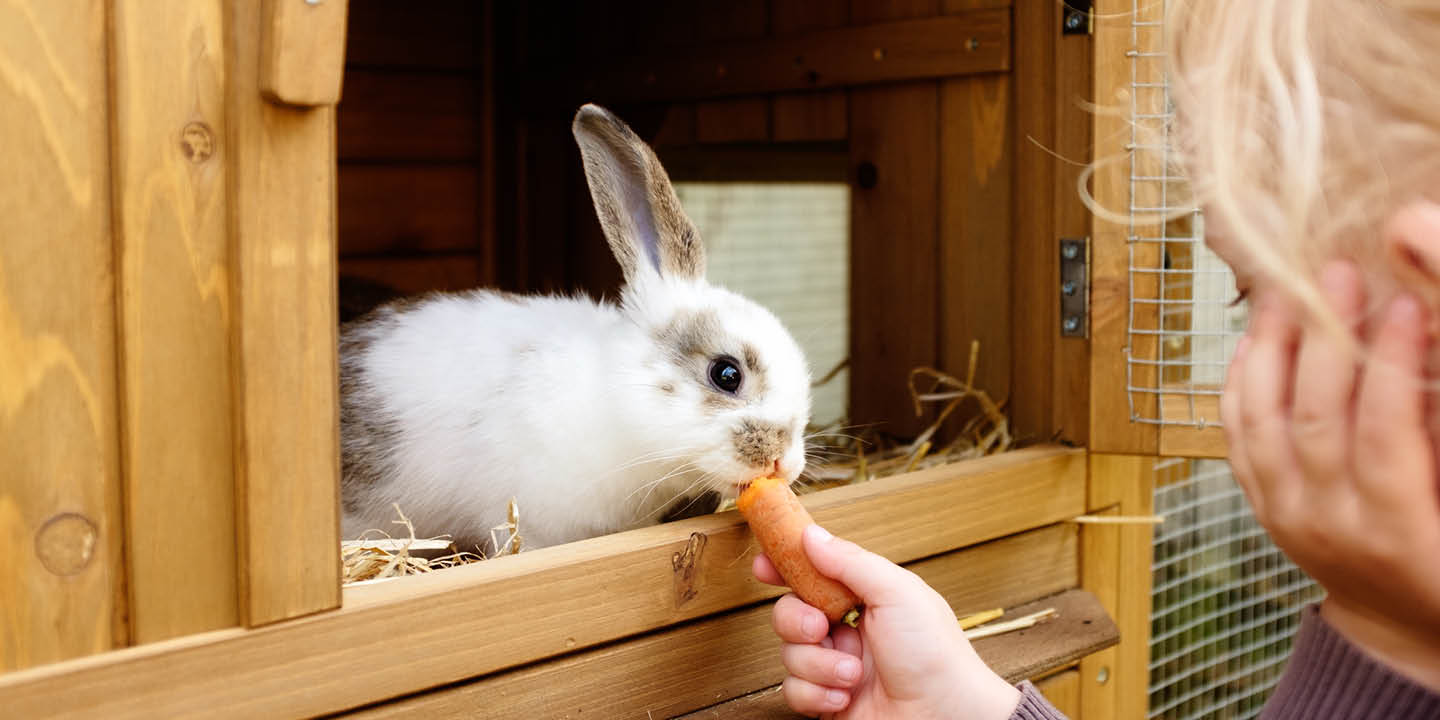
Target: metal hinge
x=1075, y=287
x=1077, y=18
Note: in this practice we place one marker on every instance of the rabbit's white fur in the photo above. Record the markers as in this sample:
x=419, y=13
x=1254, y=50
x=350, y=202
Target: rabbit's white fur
x=593, y=417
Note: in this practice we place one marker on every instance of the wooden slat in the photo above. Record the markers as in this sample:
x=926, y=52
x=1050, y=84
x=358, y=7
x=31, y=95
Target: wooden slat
x=433, y=35
x=171, y=161
x=1081, y=629
x=1070, y=366
x=1187, y=440
x=62, y=572
x=282, y=186
x=894, y=245
x=410, y=116
x=677, y=127
x=733, y=120
x=809, y=117
x=1116, y=567
x=409, y=209
x=882, y=53
x=419, y=274
x=975, y=238
x=866, y=11
x=732, y=19
x=680, y=670
x=1111, y=426
x=302, y=51
x=788, y=17
x=1063, y=691
x=549, y=601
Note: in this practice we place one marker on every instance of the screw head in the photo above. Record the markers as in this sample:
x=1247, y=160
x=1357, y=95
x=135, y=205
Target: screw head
x=1073, y=20
x=1071, y=324
x=1068, y=287
x=1070, y=251
x=313, y=2
x=1103, y=676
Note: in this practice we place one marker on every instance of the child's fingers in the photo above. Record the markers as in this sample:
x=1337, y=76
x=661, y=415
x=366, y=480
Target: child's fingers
x=1325, y=382
x=876, y=580
x=1236, y=445
x=765, y=571
x=808, y=698
x=1264, y=407
x=1394, y=453
x=796, y=622
x=830, y=668
x=847, y=640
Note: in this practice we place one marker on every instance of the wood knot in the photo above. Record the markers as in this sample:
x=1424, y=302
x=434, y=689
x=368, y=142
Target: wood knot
x=197, y=141
x=65, y=544
x=686, y=566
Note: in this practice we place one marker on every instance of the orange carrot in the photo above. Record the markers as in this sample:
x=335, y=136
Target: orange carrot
x=778, y=520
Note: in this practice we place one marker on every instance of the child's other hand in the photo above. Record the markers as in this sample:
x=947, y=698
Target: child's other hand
x=1338, y=462
x=908, y=659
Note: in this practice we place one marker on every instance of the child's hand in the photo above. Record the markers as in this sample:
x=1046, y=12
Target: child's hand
x=908, y=659
x=1339, y=464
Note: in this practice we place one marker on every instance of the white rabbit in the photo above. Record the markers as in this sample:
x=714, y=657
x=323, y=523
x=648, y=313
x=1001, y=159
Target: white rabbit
x=594, y=417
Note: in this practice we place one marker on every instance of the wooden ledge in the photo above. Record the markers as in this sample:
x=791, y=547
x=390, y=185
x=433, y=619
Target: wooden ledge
x=405, y=636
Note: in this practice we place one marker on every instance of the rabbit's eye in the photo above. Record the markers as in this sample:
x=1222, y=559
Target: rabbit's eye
x=725, y=374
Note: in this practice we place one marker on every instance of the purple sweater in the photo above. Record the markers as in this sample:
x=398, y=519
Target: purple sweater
x=1327, y=679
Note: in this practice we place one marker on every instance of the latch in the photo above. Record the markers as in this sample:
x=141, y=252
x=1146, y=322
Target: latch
x=1074, y=287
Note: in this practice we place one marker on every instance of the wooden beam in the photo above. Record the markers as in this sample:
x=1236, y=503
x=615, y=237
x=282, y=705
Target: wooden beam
x=171, y=192
x=302, y=51
x=62, y=574
x=282, y=300
x=550, y=601
x=964, y=44
x=726, y=656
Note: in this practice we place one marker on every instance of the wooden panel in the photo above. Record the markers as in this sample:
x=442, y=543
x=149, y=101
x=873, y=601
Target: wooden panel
x=957, y=6
x=409, y=208
x=732, y=19
x=788, y=17
x=889, y=52
x=62, y=573
x=735, y=120
x=1187, y=440
x=893, y=278
x=1111, y=412
x=283, y=299
x=975, y=239
x=1063, y=691
x=416, y=275
x=1081, y=629
x=1115, y=565
x=679, y=670
x=866, y=11
x=302, y=51
x=809, y=117
x=1098, y=697
x=677, y=127
x=550, y=601
x=410, y=116
x=436, y=34
x=171, y=158
x=1070, y=373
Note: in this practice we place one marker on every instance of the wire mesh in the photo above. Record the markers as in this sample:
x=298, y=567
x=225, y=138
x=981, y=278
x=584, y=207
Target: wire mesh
x=1183, y=325
x=1226, y=602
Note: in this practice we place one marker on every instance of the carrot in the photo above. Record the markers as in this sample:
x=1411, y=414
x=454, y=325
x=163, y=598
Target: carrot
x=778, y=520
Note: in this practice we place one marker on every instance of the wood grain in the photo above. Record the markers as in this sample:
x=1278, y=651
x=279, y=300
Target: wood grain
x=894, y=293
x=841, y=57
x=1074, y=90
x=302, y=51
x=809, y=117
x=409, y=209
x=62, y=572
x=551, y=601
x=868, y=11
x=282, y=230
x=1115, y=566
x=171, y=158
x=788, y=17
x=733, y=120
x=680, y=670
x=975, y=230
x=1063, y=691
x=410, y=116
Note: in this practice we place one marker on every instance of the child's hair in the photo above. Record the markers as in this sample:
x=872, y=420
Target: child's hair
x=1304, y=124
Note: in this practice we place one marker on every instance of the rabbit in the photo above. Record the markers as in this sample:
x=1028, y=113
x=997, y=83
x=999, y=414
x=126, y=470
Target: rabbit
x=594, y=416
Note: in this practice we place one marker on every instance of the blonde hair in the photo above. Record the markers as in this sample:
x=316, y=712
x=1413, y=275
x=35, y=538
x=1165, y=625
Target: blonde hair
x=1304, y=124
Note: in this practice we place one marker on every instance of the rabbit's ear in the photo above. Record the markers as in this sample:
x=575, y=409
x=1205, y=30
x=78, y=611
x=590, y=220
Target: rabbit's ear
x=642, y=218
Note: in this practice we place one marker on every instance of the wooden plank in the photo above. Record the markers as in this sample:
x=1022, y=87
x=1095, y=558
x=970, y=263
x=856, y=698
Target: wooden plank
x=1063, y=691
x=732, y=19
x=418, y=274
x=1070, y=365
x=550, y=601
x=433, y=35
x=282, y=225
x=976, y=42
x=677, y=127
x=680, y=670
x=733, y=120
x=789, y=17
x=809, y=117
x=975, y=238
x=399, y=209
x=172, y=245
x=1080, y=630
x=410, y=116
x=302, y=51
x=894, y=291
x=1098, y=697
x=867, y=11
x=949, y=7
x=1112, y=407
x=62, y=575
x=1193, y=442
x=1115, y=565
